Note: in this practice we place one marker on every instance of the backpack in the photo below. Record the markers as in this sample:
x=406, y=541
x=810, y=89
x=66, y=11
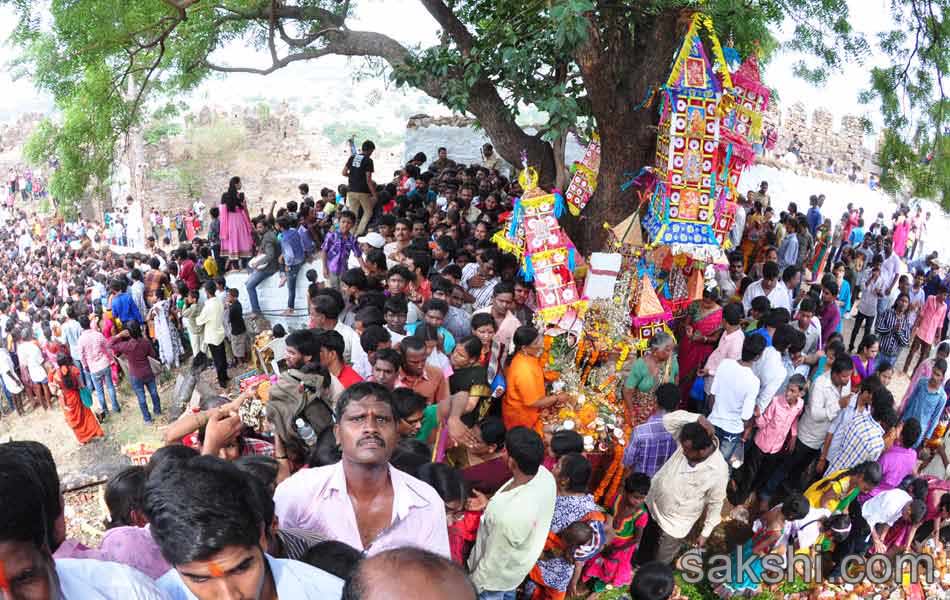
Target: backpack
x=298, y=394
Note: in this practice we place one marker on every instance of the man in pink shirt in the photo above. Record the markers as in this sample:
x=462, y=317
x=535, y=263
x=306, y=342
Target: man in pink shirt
x=362, y=500
x=97, y=361
x=730, y=343
x=929, y=321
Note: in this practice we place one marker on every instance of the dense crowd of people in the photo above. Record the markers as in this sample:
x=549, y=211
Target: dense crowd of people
x=402, y=446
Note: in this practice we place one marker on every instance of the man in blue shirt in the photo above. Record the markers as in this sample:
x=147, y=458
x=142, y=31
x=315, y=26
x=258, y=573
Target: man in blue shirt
x=293, y=254
x=814, y=214
x=123, y=306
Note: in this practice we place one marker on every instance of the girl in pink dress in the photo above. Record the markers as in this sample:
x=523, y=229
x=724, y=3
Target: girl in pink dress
x=237, y=243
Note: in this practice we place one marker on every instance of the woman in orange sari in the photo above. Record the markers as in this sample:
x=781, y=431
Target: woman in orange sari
x=703, y=324
x=525, y=395
x=78, y=416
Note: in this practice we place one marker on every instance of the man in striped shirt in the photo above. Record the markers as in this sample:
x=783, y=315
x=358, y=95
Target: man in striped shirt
x=480, y=278
x=650, y=443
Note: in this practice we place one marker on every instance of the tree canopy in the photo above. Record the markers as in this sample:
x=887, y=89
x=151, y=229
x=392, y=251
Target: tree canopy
x=587, y=63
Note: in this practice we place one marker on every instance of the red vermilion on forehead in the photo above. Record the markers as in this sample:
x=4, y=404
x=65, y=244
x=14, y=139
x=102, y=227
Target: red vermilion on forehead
x=215, y=571
x=4, y=584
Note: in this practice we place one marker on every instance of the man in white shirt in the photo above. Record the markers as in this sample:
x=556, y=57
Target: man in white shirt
x=831, y=393
x=733, y=395
x=769, y=287
x=205, y=517
x=212, y=319
x=516, y=521
x=882, y=511
x=891, y=270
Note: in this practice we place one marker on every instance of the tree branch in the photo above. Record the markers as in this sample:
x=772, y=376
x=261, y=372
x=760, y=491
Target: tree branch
x=181, y=6
x=452, y=25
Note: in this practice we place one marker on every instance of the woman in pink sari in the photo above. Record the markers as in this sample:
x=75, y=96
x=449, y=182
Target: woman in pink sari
x=190, y=225
x=703, y=324
x=237, y=243
x=901, y=229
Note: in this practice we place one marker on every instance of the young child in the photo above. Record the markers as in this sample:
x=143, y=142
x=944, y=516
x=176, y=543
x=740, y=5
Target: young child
x=612, y=567
x=238, y=335
x=777, y=430
x=337, y=247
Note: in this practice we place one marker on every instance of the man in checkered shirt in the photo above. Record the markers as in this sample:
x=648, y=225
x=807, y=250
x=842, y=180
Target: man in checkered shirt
x=650, y=443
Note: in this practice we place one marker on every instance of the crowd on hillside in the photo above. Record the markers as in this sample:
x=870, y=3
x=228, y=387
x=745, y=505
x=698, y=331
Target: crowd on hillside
x=403, y=446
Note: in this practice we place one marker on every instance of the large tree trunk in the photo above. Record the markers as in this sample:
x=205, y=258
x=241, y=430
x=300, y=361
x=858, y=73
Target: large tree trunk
x=620, y=67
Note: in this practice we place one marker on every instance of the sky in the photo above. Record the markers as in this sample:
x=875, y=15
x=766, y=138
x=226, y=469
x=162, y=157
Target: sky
x=408, y=22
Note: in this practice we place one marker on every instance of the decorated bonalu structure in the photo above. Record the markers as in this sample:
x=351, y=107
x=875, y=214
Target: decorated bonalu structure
x=709, y=123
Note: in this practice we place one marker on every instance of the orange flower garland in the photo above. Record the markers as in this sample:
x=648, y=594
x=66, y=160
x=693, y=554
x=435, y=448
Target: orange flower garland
x=614, y=471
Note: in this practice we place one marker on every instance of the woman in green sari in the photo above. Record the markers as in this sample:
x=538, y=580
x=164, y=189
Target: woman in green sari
x=657, y=366
x=822, y=244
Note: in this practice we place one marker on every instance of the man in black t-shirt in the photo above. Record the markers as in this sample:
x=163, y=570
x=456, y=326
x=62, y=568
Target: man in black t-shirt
x=362, y=189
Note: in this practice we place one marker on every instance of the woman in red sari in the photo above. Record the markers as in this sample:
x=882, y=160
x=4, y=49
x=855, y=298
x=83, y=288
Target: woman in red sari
x=78, y=416
x=703, y=325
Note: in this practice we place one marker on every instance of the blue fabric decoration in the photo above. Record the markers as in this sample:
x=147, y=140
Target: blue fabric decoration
x=633, y=179
x=528, y=269
x=558, y=205
x=515, y=219
x=570, y=259
x=732, y=56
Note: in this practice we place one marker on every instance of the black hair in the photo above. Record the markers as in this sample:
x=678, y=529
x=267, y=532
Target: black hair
x=397, y=305
x=332, y=341
x=732, y=313
x=199, y=506
x=327, y=306
x=124, y=493
x=482, y=319
x=355, y=278
x=566, y=441
x=407, y=402
x=336, y=558
x=373, y=336
x=753, y=347
x=760, y=304
x=492, y=430
x=359, y=391
x=38, y=461
x=917, y=511
x=24, y=517
x=445, y=480
x=653, y=581
x=575, y=470
x=841, y=364
x=413, y=343
x=697, y=435
x=866, y=342
x=391, y=356
x=910, y=432
x=637, y=483
x=171, y=452
x=409, y=455
x=472, y=346
x=668, y=396
x=435, y=304
x=939, y=364
x=770, y=270
x=807, y=304
x=525, y=448
x=795, y=507
x=304, y=341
